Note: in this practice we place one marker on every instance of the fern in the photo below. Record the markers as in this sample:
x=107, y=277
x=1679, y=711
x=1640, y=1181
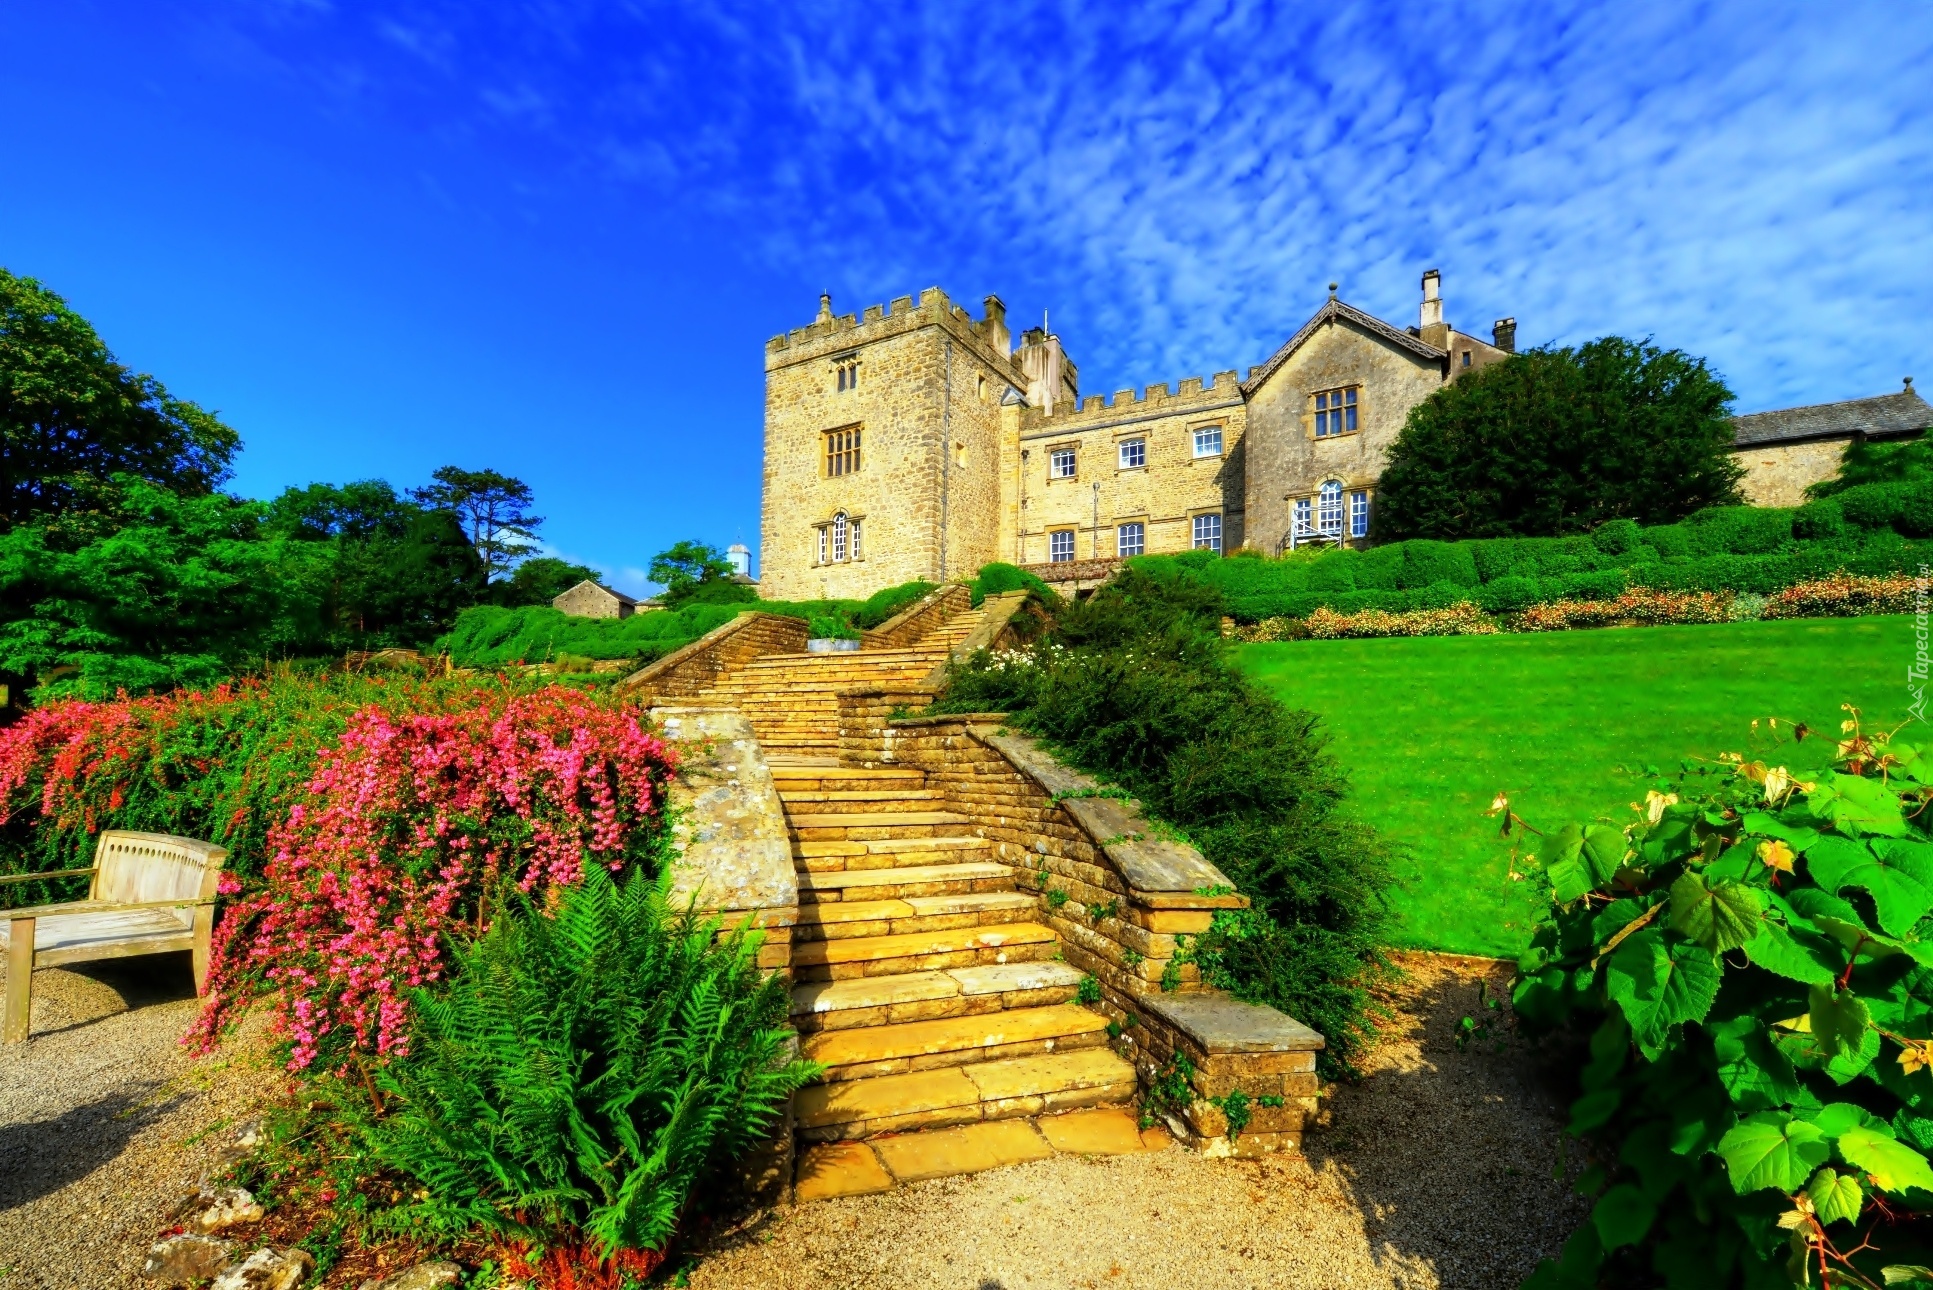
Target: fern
x=585, y=1070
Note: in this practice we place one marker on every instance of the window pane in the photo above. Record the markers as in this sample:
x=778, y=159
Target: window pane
x=855, y=539
x=1350, y=415
x=1060, y=546
x=1359, y=515
x=1304, y=514
x=822, y=546
x=1130, y=539
x=1208, y=443
x=1061, y=463
x=839, y=534
x=1134, y=454
x=1208, y=532
x=1349, y=397
x=1329, y=508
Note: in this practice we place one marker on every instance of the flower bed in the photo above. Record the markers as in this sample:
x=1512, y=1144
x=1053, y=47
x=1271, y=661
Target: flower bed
x=1845, y=595
x=1841, y=595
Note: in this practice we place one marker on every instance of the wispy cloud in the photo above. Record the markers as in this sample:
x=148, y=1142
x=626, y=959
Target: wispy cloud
x=1177, y=182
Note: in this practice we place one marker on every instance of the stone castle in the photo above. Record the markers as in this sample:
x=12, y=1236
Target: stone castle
x=915, y=441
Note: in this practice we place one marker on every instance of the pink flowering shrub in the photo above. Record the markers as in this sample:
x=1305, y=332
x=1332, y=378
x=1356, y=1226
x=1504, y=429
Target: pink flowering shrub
x=402, y=839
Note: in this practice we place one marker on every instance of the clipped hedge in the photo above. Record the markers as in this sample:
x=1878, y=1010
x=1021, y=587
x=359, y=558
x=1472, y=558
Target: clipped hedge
x=1872, y=530
x=491, y=636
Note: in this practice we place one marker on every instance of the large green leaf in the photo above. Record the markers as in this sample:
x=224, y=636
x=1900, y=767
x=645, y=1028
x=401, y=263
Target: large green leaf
x=1898, y=874
x=1839, y=1020
x=1772, y=1149
x=1892, y=1165
x=1835, y=1197
x=1764, y=824
x=1604, y=849
x=1569, y=879
x=1836, y=1118
x=1856, y=804
x=1750, y=1066
x=1657, y=983
x=1623, y=1216
x=1801, y=956
x=1719, y=917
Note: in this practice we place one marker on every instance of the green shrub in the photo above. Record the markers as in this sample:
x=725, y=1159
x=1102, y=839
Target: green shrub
x=1133, y=684
x=584, y=1071
x=1820, y=521
x=1508, y=595
x=1748, y=961
x=830, y=627
x=1739, y=530
x=882, y=605
x=488, y=636
x=1426, y=562
x=998, y=578
x=1905, y=506
x=1336, y=572
x=1617, y=537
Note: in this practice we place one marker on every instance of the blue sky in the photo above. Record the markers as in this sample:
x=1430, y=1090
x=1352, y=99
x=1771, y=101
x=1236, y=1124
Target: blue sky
x=551, y=237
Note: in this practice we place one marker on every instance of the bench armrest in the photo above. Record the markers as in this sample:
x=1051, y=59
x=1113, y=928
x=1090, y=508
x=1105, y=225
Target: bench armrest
x=38, y=877
x=99, y=907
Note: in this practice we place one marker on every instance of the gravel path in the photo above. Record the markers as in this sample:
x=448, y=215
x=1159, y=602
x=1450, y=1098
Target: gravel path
x=1438, y=1173
x=105, y=1121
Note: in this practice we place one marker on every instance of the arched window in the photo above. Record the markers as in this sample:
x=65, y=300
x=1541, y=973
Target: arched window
x=841, y=533
x=1329, y=507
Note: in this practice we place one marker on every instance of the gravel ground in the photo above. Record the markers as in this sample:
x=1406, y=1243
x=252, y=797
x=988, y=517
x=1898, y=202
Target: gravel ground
x=105, y=1120
x=1437, y=1173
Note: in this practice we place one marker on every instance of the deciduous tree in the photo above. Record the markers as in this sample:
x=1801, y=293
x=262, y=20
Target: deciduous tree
x=1556, y=441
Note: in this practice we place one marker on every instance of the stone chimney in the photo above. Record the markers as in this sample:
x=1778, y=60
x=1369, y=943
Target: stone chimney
x=1050, y=377
x=1503, y=334
x=1433, y=330
x=994, y=326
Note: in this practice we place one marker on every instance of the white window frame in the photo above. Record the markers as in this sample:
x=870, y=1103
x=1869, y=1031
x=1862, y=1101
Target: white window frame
x=1062, y=463
x=1208, y=442
x=857, y=554
x=1133, y=454
x=822, y=544
x=1305, y=517
x=1130, y=539
x=841, y=537
x=1208, y=532
x=1055, y=539
x=1359, y=514
x=1329, y=508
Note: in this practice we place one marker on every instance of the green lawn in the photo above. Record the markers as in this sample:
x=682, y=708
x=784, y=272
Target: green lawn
x=1430, y=729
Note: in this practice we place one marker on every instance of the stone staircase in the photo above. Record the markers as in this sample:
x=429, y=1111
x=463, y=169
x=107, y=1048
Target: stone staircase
x=793, y=699
x=925, y=982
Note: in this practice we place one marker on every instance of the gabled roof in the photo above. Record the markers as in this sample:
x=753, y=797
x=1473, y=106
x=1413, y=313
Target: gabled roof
x=618, y=596
x=1888, y=414
x=1332, y=310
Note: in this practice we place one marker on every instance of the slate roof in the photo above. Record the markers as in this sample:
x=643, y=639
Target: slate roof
x=1334, y=309
x=1888, y=414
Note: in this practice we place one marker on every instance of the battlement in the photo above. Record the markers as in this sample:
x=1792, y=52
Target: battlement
x=832, y=333
x=1192, y=394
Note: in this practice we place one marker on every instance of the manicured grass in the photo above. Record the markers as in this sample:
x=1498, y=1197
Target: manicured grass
x=1431, y=729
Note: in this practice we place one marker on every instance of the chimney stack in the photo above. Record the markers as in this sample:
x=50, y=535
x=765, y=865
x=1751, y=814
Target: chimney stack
x=994, y=326
x=1433, y=331
x=1503, y=334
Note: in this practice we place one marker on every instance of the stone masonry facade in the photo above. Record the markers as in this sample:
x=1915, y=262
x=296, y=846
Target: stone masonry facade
x=915, y=441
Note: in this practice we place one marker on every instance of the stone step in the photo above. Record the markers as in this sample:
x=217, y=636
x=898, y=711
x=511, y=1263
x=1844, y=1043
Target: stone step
x=845, y=919
x=885, y=853
x=861, y=801
x=908, y=880
x=859, y=826
x=953, y=1041
x=923, y=996
x=861, y=956
x=857, y=774
x=830, y=1169
x=997, y=1090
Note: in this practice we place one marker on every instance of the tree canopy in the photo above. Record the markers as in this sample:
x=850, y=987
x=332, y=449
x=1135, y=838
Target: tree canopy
x=696, y=573
x=494, y=510
x=71, y=416
x=540, y=580
x=1560, y=440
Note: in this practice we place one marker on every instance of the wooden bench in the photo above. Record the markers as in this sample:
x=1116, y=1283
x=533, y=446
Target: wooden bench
x=151, y=894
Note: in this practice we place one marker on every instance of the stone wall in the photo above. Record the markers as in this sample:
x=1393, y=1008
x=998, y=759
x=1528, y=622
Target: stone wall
x=1777, y=474
x=928, y=615
x=697, y=667
x=588, y=600
x=1163, y=495
x=927, y=403
x=1285, y=460
x=1121, y=899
